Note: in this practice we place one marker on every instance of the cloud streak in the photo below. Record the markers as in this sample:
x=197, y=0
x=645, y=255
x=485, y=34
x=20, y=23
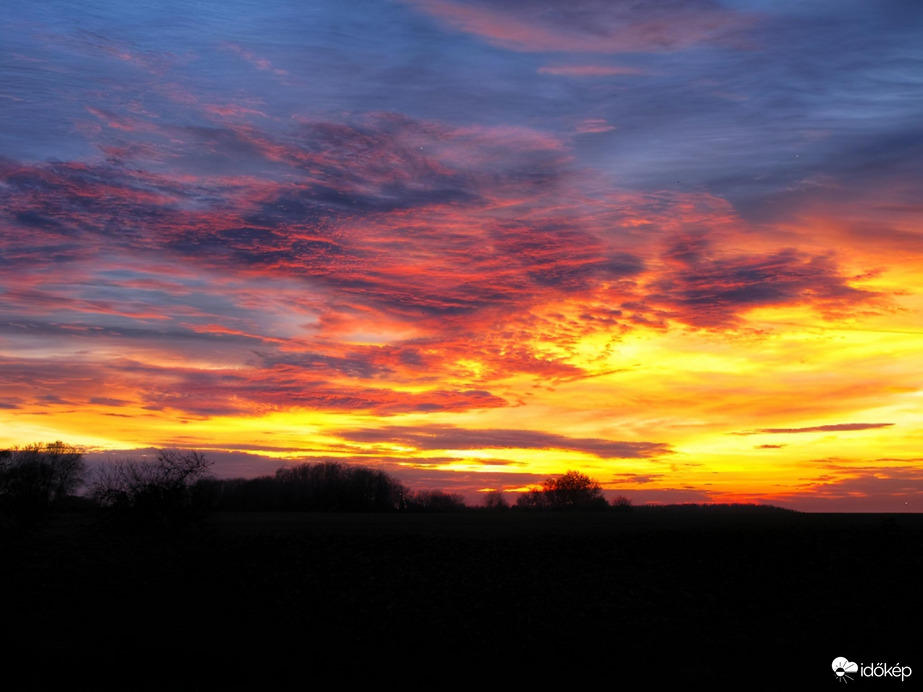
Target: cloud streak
x=588, y=26
x=447, y=437
x=834, y=427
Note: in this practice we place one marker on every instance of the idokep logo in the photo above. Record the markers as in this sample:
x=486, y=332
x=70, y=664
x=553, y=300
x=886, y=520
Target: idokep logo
x=842, y=667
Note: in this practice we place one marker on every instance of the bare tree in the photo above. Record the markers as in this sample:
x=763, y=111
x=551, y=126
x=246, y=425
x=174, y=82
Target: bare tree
x=158, y=492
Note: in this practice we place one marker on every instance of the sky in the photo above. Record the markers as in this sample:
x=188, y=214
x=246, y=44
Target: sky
x=674, y=245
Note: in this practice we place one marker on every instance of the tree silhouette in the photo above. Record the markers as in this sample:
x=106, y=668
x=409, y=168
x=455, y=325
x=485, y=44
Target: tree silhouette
x=496, y=501
x=157, y=493
x=621, y=503
x=573, y=490
x=34, y=477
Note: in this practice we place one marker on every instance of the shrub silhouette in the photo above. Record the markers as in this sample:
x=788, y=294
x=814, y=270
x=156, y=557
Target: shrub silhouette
x=35, y=477
x=573, y=490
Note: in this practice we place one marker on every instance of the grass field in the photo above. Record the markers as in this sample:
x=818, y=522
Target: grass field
x=735, y=598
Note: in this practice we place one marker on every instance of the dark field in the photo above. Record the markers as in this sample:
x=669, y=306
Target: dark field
x=736, y=598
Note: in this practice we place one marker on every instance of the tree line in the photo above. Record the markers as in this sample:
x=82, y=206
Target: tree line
x=177, y=487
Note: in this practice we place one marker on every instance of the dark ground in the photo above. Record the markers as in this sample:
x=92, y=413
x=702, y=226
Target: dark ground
x=732, y=599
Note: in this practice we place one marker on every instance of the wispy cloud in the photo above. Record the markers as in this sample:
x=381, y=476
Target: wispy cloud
x=447, y=437
x=587, y=26
x=834, y=427
x=589, y=70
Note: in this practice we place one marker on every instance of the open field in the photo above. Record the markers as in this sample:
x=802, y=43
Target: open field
x=265, y=601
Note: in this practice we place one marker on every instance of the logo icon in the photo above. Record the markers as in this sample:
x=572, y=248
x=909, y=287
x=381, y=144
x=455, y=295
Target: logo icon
x=841, y=667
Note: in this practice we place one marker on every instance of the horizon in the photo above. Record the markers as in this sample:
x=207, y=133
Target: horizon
x=673, y=246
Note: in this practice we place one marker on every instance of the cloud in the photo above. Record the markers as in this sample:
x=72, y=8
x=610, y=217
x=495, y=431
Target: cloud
x=393, y=218
x=335, y=225
x=880, y=489
x=633, y=478
x=258, y=62
x=703, y=288
x=436, y=437
x=381, y=223
x=249, y=392
x=107, y=401
x=591, y=26
x=363, y=256
x=44, y=382
x=589, y=70
x=666, y=496
x=593, y=125
x=835, y=427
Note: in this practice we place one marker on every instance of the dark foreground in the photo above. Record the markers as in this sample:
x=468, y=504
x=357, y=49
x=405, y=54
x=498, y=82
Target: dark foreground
x=735, y=600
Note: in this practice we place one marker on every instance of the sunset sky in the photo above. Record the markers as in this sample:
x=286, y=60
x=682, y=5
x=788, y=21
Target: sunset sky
x=677, y=246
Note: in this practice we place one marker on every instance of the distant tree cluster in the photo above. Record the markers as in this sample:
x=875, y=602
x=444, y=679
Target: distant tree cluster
x=321, y=487
x=37, y=477
x=436, y=501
